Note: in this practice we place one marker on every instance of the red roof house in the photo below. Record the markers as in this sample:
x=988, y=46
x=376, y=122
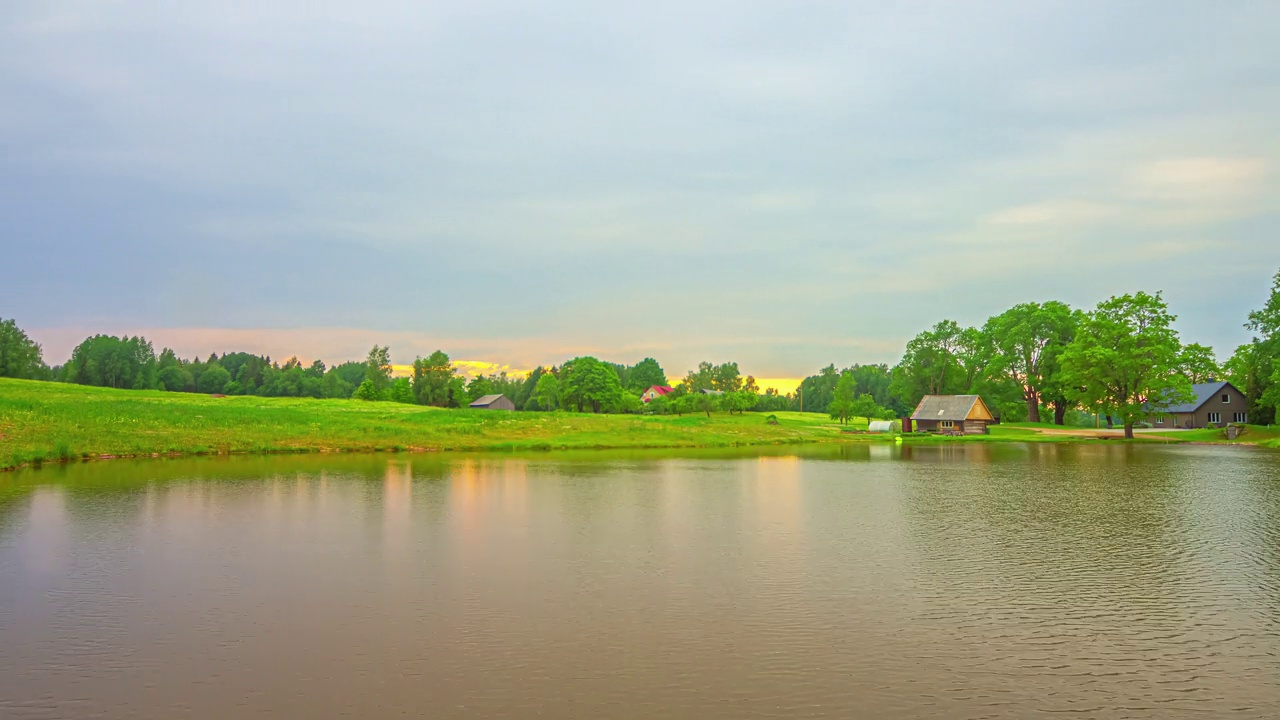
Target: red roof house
x=655, y=391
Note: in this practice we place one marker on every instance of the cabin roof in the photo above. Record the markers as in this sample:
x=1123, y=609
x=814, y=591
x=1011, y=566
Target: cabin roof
x=1203, y=393
x=946, y=407
x=485, y=400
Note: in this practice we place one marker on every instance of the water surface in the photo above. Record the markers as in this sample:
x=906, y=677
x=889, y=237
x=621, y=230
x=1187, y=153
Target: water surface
x=867, y=581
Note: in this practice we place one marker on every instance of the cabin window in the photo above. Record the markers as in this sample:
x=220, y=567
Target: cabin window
x=1240, y=417
x=947, y=424
x=1226, y=398
x=1159, y=419
x=1215, y=417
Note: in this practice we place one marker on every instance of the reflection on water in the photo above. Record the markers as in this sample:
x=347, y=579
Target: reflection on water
x=998, y=581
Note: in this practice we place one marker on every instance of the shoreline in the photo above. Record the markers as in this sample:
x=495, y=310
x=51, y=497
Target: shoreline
x=44, y=423
x=1062, y=438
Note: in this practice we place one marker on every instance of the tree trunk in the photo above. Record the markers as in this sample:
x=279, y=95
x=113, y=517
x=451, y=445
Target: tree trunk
x=1128, y=431
x=1059, y=412
x=1033, y=409
x=1110, y=424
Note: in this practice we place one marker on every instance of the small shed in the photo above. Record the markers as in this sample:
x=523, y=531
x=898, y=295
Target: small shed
x=493, y=402
x=952, y=414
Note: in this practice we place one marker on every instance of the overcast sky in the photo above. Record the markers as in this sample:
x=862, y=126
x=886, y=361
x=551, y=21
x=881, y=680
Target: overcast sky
x=781, y=184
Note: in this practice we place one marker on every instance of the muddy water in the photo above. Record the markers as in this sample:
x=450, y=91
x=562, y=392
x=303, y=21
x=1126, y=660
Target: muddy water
x=943, y=582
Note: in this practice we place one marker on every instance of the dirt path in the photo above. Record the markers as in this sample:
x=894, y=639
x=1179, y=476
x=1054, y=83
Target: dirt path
x=1138, y=434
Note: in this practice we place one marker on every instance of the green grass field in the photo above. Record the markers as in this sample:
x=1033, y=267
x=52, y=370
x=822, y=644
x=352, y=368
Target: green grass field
x=1253, y=435
x=44, y=422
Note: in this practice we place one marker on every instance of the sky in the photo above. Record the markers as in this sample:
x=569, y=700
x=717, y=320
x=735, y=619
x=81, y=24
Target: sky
x=784, y=185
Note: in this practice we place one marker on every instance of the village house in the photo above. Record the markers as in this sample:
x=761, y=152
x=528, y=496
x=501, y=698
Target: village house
x=951, y=414
x=493, y=402
x=655, y=392
x=1216, y=404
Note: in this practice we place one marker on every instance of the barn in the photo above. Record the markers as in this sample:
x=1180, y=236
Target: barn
x=493, y=402
x=952, y=414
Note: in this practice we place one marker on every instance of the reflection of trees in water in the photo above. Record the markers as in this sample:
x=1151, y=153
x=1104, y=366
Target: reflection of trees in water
x=13, y=496
x=1094, y=557
x=1044, y=518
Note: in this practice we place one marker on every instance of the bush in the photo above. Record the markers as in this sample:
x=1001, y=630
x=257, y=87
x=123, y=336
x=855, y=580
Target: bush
x=367, y=391
x=214, y=380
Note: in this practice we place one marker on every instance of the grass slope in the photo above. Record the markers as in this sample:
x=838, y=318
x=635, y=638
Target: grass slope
x=42, y=421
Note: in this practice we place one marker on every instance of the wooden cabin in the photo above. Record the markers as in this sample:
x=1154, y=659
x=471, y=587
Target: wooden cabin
x=952, y=415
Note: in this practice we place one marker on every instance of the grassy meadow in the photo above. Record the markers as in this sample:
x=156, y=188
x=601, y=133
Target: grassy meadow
x=47, y=422
x=42, y=421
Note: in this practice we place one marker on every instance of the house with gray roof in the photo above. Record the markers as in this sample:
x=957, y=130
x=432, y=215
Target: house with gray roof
x=493, y=402
x=1215, y=405
x=952, y=414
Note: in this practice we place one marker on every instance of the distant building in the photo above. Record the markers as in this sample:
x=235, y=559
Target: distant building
x=493, y=402
x=711, y=392
x=1215, y=405
x=655, y=392
x=956, y=414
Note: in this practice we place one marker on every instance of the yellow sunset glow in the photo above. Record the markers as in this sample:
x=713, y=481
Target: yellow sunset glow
x=471, y=368
x=466, y=368
x=782, y=385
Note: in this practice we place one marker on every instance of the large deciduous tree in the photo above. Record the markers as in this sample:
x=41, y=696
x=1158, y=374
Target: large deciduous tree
x=115, y=362
x=1255, y=367
x=547, y=392
x=587, y=382
x=377, y=369
x=841, y=406
x=932, y=364
x=1198, y=364
x=865, y=406
x=20, y=356
x=644, y=375
x=214, y=380
x=727, y=378
x=479, y=387
x=816, y=391
x=1124, y=359
x=1026, y=341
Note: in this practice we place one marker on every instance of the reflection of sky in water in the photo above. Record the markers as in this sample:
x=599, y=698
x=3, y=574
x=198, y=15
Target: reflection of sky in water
x=860, y=579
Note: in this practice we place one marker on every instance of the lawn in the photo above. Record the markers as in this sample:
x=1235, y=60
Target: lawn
x=42, y=422
x=50, y=421
x=1266, y=436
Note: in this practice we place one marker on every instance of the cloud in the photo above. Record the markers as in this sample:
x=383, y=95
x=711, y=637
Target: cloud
x=1198, y=178
x=783, y=188
x=1058, y=212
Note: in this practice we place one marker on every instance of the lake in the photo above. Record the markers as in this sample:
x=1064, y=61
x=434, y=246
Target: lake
x=955, y=581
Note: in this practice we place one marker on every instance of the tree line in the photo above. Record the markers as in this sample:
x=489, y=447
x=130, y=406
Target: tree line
x=1033, y=361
